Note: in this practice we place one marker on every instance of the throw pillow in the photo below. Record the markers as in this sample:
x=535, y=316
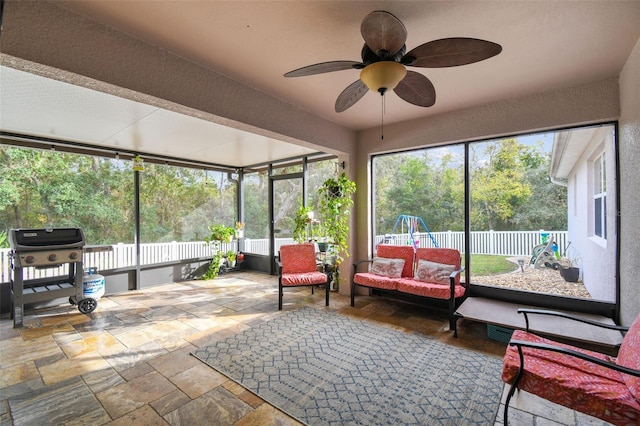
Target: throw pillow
x=387, y=267
x=432, y=272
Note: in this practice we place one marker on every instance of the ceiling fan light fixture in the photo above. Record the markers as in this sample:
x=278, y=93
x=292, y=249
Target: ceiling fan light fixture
x=382, y=76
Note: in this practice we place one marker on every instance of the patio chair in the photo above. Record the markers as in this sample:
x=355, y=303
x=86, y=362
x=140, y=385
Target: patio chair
x=586, y=381
x=297, y=267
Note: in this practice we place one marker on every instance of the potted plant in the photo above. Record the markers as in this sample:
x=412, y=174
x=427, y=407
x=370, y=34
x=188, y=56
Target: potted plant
x=335, y=206
x=231, y=258
x=218, y=234
x=239, y=230
x=304, y=216
x=569, y=267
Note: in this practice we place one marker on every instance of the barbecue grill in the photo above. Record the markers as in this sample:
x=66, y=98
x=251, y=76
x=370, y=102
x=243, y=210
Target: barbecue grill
x=46, y=248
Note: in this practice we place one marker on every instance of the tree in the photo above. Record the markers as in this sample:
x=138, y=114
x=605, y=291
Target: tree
x=498, y=183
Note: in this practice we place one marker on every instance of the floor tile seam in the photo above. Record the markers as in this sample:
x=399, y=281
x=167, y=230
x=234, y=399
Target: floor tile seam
x=95, y=394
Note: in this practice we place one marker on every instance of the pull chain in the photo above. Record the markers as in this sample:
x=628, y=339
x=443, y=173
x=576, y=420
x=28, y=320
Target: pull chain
x=382, y=117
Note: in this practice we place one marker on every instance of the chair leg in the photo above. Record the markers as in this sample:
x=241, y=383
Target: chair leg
x=353, y=294
x=514, y=386
x=279, y=296
x=452, y=310
x=327, y=288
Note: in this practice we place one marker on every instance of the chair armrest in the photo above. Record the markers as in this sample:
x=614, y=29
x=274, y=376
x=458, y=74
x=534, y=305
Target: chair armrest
x=570, y=352
x=526, y=311
x=358, y=263
x=456, y=272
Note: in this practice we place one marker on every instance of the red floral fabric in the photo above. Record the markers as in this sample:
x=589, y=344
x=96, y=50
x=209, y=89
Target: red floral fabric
x=370, y=279
x=433, y=290
x=447, y=256
x=572, y=382
x=304, y=278
x=298, y=258
x=398, y=252
x=629, y=356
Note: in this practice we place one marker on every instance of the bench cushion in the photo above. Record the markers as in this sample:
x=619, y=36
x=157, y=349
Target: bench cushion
x=433, y=290
x=398, y=252
x=572, y=382
x=369, y=279
x=446, y=256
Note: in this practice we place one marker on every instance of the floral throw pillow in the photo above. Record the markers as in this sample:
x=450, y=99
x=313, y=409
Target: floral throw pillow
x=433, y=272
x=387, y=267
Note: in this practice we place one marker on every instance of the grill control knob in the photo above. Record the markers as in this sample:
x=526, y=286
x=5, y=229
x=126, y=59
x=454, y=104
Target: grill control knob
x=73, y=255
x=30, y=259
x=53, y=257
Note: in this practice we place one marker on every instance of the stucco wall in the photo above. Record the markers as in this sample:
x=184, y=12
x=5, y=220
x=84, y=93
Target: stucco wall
x=630, y=183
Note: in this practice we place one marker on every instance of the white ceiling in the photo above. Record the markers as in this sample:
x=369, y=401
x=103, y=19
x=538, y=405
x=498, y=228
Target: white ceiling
x=547, y=45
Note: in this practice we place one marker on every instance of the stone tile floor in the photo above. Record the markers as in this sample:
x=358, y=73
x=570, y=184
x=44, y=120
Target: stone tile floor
x=128, y=362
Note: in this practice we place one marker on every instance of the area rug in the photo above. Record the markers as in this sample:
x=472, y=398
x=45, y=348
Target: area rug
x=324, y=368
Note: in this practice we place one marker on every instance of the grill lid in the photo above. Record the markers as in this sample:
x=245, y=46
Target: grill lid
x=34, y=239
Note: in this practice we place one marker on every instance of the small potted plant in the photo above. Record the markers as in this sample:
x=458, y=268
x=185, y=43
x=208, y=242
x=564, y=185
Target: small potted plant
x=220, y=233
x=231, y=259
x=239, y=230
x=304, y=216
x=569, y=267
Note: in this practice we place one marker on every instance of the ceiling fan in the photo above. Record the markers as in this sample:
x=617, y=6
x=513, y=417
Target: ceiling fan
x=384, y=62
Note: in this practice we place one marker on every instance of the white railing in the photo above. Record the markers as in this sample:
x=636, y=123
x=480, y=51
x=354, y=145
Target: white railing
x=121, y=256
x=502, y=243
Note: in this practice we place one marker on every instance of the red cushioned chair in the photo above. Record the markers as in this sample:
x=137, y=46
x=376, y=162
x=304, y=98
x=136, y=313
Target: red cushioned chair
x=297, y=267
x=586, y=381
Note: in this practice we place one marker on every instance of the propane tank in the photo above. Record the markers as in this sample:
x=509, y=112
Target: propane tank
x=92, y=284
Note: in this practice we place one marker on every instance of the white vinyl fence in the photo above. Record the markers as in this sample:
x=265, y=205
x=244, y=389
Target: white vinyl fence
x=121, y=256
x=501, y=243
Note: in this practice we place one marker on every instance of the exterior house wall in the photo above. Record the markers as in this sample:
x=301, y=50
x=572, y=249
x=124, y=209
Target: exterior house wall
x=596, y=257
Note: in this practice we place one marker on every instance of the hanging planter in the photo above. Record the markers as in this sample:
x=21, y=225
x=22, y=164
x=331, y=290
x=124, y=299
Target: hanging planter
x=335, y=206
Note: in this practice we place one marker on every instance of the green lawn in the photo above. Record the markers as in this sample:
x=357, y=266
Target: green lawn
x=486, y=264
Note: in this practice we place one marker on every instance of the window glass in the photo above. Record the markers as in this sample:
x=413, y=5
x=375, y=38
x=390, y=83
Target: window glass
x=419, y=197
x=521, y=235
x=50, y=189
x=256, y=212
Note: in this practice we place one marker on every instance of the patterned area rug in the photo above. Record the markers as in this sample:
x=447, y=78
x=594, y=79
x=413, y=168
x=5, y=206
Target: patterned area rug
x=324, y=368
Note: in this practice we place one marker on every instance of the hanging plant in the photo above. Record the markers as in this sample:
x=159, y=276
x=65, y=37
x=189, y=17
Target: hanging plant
x=336, y=199
x=221, y=233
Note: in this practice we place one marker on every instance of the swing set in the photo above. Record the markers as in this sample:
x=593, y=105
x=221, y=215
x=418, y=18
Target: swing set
x=412, y=225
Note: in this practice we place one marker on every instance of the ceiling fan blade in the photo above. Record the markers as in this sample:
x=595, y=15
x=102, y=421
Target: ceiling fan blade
x=324, y=67
x=384, y=33
x=352, y=94
x=416, y=89
x=451, y=52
